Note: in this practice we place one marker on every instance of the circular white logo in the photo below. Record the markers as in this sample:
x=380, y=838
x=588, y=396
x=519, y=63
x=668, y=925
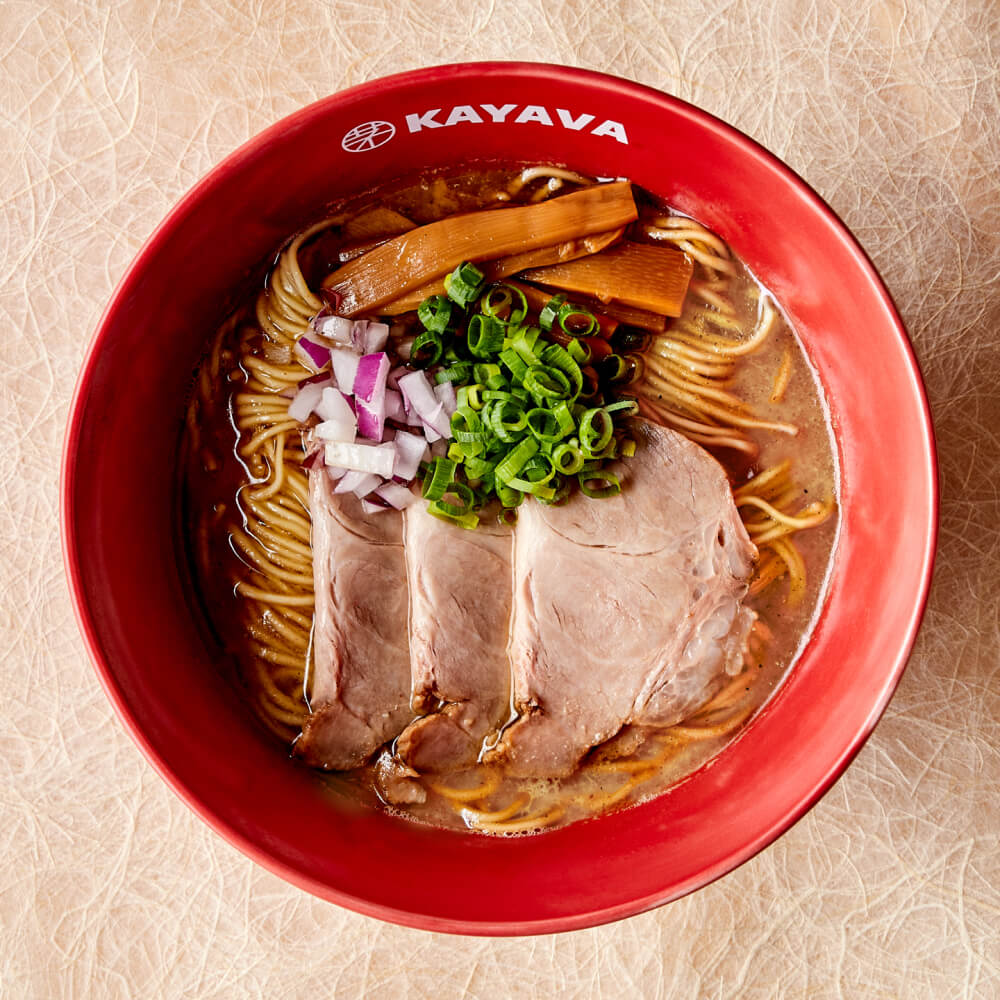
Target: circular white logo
x=369, y=135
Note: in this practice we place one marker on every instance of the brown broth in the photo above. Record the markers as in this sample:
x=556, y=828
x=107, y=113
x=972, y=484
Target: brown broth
x=214, y=472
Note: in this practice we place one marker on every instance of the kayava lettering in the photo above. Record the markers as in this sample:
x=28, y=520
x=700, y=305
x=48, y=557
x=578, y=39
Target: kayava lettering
x=486, y=114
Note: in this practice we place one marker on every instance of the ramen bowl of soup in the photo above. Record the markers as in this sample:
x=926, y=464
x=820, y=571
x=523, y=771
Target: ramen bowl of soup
x=503, y=516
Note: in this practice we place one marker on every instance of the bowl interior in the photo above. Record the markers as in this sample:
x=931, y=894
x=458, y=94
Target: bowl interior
x=119, y=500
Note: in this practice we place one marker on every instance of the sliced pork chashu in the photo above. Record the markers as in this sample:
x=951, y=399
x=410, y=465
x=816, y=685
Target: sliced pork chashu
x=361, y=655
x=626, y=610
x=460, y=604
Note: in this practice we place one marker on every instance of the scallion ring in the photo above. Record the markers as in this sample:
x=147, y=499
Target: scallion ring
x=439, y=474
x=567, y=458
x=546, y=382
x=575, y=321
x=550, y=311
x=427, y=349
x=596, y=430
x=484, y=336
x=435, y=313
x=464, y=284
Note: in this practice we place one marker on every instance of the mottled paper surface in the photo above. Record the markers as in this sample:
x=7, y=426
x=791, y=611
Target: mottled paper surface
x=110, y=887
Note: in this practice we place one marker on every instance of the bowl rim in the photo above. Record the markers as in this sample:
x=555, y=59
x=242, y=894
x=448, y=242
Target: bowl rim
x=70, y=539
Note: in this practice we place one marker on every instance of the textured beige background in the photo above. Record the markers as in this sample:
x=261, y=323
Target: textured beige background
x=109, y=887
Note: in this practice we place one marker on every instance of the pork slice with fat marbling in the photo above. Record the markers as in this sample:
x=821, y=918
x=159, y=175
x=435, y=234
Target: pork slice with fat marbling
x=626, y=610
x=360, y=680
x=460, y=602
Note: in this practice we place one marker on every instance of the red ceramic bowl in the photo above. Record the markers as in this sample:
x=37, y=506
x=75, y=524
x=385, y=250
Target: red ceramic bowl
x=119, y=493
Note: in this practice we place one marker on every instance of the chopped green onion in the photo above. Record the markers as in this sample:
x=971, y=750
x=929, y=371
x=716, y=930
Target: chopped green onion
x=427, y=349
x=544, y=425
x=461, y=502
x=478, y=468
x=464, y=284
x=558, y=357
x=484, y=336
x=545, y=382
x=468, y=520
x=628, y=407
x=575, y=321
x=531, y=418
x=596, y=431
x=458, y=371
x=499, y=302
x=539, y=490
x=508, y=497
x=612, y=487
x=614, y=367
x=550, y=311
x=515, y=460
x=579, y=351
x=562, y=488
x=435, y=313
x=514, y=363
x=439, y=474
x=567, y=458
x=506, y=418
x=471, y=395
x=523, y=342
x=489, y=374
x=637, y=367
x=564, y=418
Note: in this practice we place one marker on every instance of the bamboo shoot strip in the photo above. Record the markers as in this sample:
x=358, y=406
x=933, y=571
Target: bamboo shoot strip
x=503, y=267
x=645, y=277
x=432, y=251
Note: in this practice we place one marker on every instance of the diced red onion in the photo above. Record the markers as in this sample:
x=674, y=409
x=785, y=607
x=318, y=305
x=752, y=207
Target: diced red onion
x=436, y=421
x=369, y=382
x=362, y=456
x=404, y=347
x=337, y=430
x=374, y=508
x=305, y=401
x=371, y=421
x=333, y=406
x=398, y=496
x=333, y=471
x=335, y=328
x=410, y=452
x=345, y=368
x=394, y=409
x=369, y=394
x=376, y=336
x=311, y=353
x=358, y=483
x=420, y=396
x=392, y=379
x=445, y=393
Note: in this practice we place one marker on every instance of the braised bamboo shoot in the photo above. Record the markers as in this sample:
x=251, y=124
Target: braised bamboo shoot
x=645, y=277
x=504, y=267
x=416, y=258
